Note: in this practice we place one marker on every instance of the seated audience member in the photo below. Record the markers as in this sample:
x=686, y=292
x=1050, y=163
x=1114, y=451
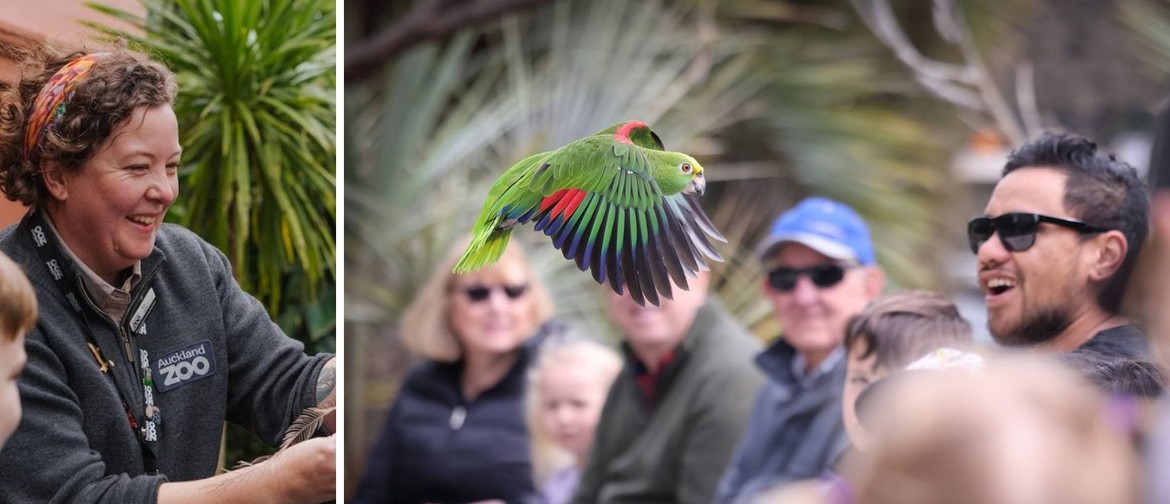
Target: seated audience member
x=1157, y=463
x=889, y=334
x=456, y=432
x=18, y=316
x=673, y=415
x=822, y=270
x=566, y=390
x=1055, y=247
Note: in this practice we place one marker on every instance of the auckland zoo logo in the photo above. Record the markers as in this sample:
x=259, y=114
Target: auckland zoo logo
x=183, y=366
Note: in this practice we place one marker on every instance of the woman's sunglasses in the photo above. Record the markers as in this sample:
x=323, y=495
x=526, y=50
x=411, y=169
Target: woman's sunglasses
x=477, y=293
x=823, y=275
x=1017, y=231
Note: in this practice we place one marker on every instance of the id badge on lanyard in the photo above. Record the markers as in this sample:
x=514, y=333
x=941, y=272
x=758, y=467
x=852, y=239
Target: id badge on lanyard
x=145, y=423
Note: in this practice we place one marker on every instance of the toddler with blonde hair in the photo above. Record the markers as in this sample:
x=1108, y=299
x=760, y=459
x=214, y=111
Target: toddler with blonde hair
x=567, y=389
x=18, y=315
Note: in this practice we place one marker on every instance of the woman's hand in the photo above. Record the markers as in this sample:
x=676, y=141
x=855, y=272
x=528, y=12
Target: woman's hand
x=306, y=471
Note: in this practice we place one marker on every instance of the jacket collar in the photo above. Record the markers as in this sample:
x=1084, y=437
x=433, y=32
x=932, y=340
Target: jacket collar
x=776, y=363
x=703, y=327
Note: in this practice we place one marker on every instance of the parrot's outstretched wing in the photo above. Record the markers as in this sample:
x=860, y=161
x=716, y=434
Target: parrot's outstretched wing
x=605, y=212
x=597, y=200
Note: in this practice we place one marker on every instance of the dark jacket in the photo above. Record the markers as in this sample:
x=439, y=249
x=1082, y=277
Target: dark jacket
x=216, y=355
x=673, y=450
x=437, y=447
x=793, y=433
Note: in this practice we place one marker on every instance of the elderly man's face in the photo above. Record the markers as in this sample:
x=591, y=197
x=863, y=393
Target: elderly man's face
x=813, y=317
x=1033, y=295
x=661, y=326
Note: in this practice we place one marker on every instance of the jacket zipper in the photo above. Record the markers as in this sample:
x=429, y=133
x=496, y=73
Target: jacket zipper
x=125, y=337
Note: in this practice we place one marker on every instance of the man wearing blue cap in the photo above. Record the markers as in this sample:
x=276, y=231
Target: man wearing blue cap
x=821, y=271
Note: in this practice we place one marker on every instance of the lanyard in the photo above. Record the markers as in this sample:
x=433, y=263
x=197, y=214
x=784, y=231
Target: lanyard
x=34, y=228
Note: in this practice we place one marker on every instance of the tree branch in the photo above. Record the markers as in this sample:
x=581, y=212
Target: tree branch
x=428, y=20
x=969, y=84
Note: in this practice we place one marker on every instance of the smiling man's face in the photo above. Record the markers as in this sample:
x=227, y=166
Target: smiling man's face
x=1032, y=296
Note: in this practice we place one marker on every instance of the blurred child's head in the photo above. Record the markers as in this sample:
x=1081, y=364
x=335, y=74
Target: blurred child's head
x=18, y=315
x=890, y=333
x=567, y=389
x=1021, y=430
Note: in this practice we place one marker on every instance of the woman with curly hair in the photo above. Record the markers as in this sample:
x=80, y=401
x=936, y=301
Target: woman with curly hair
x=145, y=344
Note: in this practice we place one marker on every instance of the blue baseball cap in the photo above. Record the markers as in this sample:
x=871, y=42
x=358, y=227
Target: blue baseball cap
x=827, y=226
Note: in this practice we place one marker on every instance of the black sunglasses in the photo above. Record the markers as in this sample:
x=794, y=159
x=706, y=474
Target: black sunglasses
x=1017, y=231
x=823, y=275
x=477, y=293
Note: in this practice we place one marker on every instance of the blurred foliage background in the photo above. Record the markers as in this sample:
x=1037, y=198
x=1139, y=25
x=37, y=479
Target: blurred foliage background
x=257, y=116
x=867, y=101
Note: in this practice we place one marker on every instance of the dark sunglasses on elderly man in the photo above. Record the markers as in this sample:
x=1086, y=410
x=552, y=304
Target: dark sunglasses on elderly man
x=823, y=275
x=477, y=293
x=1017, y=231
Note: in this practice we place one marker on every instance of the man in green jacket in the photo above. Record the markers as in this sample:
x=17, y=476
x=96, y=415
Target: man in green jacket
x=674, y=414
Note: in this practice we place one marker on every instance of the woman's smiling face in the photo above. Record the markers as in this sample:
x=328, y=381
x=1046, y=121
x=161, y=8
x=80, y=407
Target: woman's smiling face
x=491, y=310
x=109, y=210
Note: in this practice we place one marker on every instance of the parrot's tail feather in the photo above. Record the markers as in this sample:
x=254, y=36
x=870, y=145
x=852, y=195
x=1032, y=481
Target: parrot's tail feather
x=483, y=251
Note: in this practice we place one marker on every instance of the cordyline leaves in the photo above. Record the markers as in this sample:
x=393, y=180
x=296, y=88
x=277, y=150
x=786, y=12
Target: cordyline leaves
x=256, y=110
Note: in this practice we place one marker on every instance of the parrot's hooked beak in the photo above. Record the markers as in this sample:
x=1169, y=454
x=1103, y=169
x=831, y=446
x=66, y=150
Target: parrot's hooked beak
x=697, y=185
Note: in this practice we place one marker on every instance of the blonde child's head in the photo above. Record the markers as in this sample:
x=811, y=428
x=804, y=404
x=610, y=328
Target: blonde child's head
x=18, y=316
x=567, y=389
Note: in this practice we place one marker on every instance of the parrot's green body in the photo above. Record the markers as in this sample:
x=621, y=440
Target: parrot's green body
x=615, y=202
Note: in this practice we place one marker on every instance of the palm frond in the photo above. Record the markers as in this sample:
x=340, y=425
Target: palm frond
x=1149, y=23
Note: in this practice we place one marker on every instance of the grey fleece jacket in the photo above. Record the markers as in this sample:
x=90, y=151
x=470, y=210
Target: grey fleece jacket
x=75, y=444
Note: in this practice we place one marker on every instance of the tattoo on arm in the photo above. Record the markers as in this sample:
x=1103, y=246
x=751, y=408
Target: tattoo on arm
x=326, y=382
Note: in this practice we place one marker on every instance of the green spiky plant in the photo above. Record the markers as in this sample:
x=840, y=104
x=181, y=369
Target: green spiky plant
x=256, y=108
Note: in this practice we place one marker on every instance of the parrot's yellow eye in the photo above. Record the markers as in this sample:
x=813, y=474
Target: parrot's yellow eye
x=685, y=167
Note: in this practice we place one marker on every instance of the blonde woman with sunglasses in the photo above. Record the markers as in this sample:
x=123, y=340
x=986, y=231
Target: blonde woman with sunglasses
x=456, y=432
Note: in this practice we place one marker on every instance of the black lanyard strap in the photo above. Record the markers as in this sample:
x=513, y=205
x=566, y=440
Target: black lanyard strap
x=35, y=229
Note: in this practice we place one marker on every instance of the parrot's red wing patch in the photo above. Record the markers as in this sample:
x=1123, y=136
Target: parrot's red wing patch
x=563, y=202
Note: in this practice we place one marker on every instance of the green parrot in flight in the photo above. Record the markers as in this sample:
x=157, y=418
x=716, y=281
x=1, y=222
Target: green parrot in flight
x=616, y=203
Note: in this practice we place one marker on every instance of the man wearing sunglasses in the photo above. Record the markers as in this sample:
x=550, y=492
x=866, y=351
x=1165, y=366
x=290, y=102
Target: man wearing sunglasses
x=821, y=271
x=1055, y=246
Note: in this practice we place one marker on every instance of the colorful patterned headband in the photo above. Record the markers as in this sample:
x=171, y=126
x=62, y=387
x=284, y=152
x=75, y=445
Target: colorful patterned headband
x=50, y=102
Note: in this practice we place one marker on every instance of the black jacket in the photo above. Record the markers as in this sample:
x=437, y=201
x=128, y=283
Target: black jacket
x=437, y=447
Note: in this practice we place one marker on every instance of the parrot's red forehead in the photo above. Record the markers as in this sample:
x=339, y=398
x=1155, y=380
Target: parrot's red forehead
x=623, y=133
